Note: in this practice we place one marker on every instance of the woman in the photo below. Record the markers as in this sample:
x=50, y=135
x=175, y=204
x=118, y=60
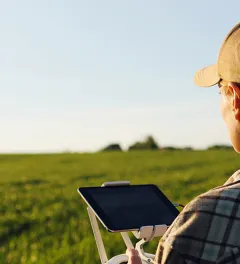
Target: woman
x=206, y=231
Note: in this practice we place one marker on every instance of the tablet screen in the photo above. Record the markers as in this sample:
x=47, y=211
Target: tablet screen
x=130, y=207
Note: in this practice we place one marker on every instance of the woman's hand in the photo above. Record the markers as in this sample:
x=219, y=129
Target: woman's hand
x=133, y=256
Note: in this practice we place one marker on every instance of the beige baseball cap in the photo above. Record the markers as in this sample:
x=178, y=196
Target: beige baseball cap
x=228, y=64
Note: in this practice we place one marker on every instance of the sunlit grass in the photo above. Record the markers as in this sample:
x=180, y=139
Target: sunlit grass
x=44, y=220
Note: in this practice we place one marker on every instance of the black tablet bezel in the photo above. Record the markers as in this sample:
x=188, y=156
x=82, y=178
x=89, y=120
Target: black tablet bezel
x=85, y=193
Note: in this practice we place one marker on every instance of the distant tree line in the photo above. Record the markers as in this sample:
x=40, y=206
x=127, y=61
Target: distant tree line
x=151, y=144
x=216, y=147
x=148, y=143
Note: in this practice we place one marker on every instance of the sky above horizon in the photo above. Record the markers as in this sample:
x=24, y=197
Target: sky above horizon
x=78, y=75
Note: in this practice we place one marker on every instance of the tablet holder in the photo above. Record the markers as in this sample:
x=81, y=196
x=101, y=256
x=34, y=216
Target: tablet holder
x=144, y=234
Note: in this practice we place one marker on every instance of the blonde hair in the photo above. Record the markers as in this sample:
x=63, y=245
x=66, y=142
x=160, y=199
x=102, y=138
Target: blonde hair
x=223, y=85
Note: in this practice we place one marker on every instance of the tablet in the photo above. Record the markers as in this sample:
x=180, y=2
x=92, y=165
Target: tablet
x=127, y=208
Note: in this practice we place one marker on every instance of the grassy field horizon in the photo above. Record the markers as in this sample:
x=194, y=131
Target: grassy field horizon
x=44, y=220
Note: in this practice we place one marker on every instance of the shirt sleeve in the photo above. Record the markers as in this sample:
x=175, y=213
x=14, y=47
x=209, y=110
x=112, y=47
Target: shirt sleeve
x=184, y=241
x=201, y=232
x=167, y=255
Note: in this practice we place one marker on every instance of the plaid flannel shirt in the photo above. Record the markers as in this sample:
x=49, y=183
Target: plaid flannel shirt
x=207, y=230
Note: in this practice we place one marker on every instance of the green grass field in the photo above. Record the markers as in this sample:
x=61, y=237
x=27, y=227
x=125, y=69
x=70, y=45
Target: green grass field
x=44, y=220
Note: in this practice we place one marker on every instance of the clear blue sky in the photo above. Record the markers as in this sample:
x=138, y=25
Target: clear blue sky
x=77, y=75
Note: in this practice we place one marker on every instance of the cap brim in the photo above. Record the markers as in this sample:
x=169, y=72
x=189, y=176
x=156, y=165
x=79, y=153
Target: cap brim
x=207, y=76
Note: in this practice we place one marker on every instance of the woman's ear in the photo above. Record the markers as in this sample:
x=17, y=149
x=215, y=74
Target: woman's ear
x=235, y=91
